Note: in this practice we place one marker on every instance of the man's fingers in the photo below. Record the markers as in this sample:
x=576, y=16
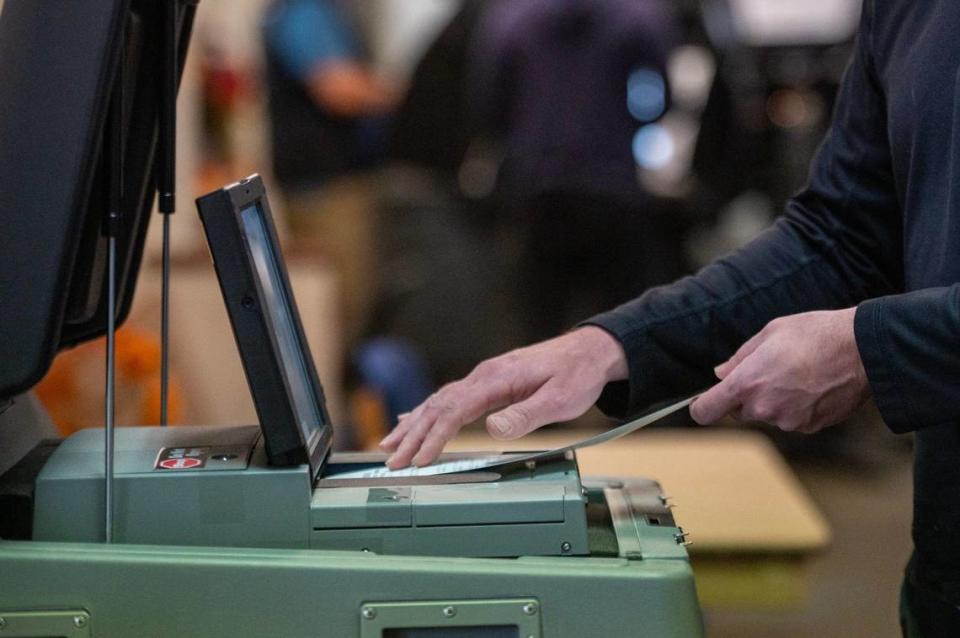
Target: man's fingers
x=450, y=409
x=392, y=440
x=430, y=449
x=728, y=366
x=438, y=436
x=406, y=450
x=389, y=442
x=722, y=370
x=552, y=402
x=715, y=403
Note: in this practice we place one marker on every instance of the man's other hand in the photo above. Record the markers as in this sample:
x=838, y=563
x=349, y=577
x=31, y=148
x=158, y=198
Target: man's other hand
x=556, y=380
x=347, y=89
x=800, y=373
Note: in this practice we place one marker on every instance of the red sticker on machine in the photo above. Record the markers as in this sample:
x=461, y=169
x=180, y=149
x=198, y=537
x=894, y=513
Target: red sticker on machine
x=180, y=464
x=182, y=458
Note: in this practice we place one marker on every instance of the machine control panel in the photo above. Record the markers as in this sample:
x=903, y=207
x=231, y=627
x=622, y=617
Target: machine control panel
x=202, y=458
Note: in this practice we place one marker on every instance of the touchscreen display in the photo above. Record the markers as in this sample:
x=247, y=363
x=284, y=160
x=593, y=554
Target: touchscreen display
x=279, y=312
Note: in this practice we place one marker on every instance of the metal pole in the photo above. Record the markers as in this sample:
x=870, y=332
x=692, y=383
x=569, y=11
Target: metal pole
x=165, y=325
x=167, y=170
x=114, y=149
x=111, y=384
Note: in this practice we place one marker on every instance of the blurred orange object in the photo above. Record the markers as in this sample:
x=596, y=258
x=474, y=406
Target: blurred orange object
x=369, y=417
x=73, y=389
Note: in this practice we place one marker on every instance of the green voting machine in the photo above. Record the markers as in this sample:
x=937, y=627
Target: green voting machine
x=262, y=530
x=539, y=536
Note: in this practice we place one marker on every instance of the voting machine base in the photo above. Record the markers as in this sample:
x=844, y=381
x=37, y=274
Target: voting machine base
x=205, y=523
x=139, y=590
x=274, y=572
x=224, y=492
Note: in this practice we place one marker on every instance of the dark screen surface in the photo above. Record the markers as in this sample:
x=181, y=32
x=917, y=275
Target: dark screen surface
x=279, y=312
x=61, y=61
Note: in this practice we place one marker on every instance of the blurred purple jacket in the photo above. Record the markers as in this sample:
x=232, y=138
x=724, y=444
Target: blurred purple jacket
x=549, y=78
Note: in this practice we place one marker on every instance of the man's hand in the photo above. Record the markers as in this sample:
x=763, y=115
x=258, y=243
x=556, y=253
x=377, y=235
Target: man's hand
x=800, y=373
x=348, y=89
x=556, y=380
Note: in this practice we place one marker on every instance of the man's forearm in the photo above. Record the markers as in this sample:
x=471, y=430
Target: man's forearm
x=673, y=336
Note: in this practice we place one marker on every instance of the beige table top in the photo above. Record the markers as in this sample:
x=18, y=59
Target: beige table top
x=732, y=490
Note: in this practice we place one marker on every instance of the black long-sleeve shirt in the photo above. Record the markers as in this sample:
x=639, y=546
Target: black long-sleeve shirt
x=877, y=226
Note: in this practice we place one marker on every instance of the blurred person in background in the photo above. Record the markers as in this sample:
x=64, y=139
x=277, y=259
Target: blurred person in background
x=562, y=87
x=442, y=299
x=851, y=295
x=329, y=115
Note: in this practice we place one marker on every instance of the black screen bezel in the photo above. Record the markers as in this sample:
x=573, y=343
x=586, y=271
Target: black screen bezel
x=220, y=212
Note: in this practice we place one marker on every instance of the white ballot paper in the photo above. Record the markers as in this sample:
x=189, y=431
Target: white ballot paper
x=493, y=460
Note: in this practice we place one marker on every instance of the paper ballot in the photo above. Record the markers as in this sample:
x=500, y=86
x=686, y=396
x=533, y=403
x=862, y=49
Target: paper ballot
x=493, y=460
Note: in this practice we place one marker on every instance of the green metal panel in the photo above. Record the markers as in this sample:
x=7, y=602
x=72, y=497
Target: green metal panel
x=147, y=591
x=521, y=616
x=360, y=507
x=491, y=504
x=637, y=582
x=256, y=505
x=535, y=509
x=44, y=624
x=81, y=455
x=503, y=540
x=642, y=520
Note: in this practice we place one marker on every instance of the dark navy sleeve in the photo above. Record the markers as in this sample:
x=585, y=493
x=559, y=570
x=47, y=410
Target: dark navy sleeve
x=910, y=345
x=838, y=243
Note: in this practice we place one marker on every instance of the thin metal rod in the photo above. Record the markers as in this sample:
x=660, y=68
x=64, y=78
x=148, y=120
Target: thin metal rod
x=111, y=384
x=167, y=126
x=167, y=182
x=165, y=325
x=114, y=150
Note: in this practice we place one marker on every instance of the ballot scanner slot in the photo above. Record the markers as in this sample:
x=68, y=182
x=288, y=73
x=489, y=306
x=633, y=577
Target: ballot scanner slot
x=438, y=479
x=342, y=463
